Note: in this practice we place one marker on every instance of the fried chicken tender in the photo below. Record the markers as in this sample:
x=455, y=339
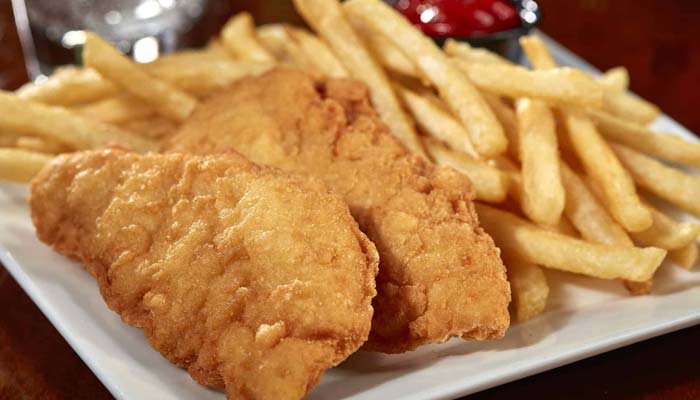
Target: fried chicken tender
x=249, y=278
x=440, y=274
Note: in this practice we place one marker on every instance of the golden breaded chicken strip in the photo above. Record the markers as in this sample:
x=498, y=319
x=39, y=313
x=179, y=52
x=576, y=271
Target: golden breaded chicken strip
x=249, y=278
x=440, y=274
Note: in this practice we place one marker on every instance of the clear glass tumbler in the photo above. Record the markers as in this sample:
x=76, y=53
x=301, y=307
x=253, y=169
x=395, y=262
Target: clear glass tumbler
x=52, y=32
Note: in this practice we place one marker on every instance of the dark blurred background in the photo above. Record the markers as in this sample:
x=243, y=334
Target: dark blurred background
x=656, y=40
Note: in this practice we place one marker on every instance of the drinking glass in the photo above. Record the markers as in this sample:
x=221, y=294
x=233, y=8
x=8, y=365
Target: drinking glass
x=52, y=32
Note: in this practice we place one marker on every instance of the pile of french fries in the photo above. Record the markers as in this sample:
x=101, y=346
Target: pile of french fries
x=566, y=173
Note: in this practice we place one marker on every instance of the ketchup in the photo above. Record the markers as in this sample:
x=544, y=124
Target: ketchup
x=443, y=18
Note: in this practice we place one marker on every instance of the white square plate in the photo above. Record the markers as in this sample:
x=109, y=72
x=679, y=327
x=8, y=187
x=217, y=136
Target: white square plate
x=585, y=317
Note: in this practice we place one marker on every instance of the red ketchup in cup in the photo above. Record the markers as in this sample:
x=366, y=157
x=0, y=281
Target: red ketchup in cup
x=460, y=18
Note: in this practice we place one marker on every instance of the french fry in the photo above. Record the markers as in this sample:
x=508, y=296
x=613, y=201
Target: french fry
x=278, y=42
x=9, y=139
x=564, y=227
x=602, y=166
x=214, y=47
x=686, y=257
x=200, y=79
x=667, y=233
x=41, y=145
x=116, y=109
x=435, y=119
x=663, y=145
x=326, y=17
x=515, y=189
x=598, y=159
x=617, y=78
x=490, y=184
x=239, y=37
x=185, y=58
x=629, y=107
x=470, y=54
x=20, y=115
x=615, y=101
x=386, y=52
x=639, y=288
x=166, y=99
x=155, y=127
x=318, y=52
x=273, y=38
x=587, y=215
x=537, y=52
x=593, y=221
x=68, y=86
x=543, y=192
x=507, y=118
x=21, y=165
x=558, y=86
x=529, y=289
x=518, y=238
x=671, y=184
x=453, y=86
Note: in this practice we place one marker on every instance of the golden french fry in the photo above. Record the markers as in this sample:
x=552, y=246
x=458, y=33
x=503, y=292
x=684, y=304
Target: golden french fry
x=507, y=118
x=558, y=86
x=663, y=145
x=41, y=145
x=639, y=288
x=214, y=47
x=537, y=52
x=68, y=86
x=616, y=79
x=602, y=166
x=326, y=17
x=515, y=189
x=615, y=101
x=155, y=127
x=598, y=159
x=471, y=54
x=9, y=139
x=20, y=115
x=278, y=42
x=116, y=109
x=21, y=165
x=453, y=86
x=518, y=238
x=543, y=192
x=629, y=107
x=435, y=119
x=587, y=215
x=166, y=99
x=594, y=223
x=200, y=79
x=666, y=233
x=273, y=38
x=385, y=51
x=686, y=257
x=490, y=184
x=671, y=184
x=185, y=58
x=528, y=287
x=318, y=52
x=239, y=37
x=565, y=227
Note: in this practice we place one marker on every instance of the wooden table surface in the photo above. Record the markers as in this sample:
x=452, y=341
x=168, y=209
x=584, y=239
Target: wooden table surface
x=657, y=40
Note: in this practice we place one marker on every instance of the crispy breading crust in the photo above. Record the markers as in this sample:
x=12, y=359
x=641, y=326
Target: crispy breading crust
x=249, y=278
x=440, y=274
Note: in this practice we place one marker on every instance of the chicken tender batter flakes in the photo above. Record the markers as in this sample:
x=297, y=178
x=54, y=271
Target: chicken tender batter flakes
x=249, y=278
